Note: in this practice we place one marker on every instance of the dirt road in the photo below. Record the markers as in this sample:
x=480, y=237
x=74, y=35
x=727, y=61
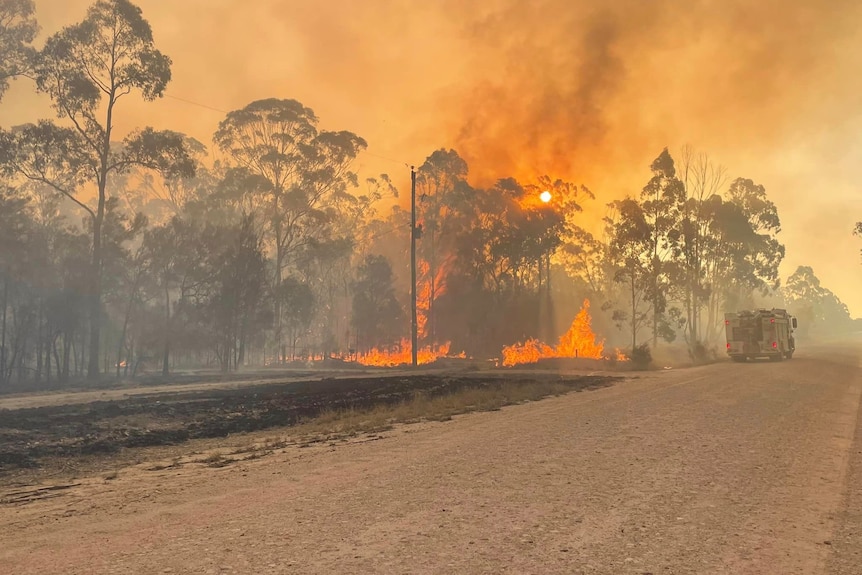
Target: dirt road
x=726, y=468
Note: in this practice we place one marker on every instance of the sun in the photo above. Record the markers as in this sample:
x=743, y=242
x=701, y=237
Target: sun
x=545, y=196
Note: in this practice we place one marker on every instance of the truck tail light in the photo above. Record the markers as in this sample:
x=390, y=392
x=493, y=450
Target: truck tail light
x=727, y=322
x=728, y=346
x=774, y=344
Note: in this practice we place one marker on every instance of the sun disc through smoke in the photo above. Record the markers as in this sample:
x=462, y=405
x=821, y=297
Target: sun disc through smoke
x=545, y=196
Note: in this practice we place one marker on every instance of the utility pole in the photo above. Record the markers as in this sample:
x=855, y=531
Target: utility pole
x=414, y=324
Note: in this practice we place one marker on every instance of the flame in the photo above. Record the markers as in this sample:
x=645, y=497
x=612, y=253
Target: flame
x=401, y=354
x=423, y=298
x=423, y=293
x=578, y=341
x=530, y=351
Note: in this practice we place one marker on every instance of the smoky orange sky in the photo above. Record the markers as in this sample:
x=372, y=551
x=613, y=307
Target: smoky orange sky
x=586, y=91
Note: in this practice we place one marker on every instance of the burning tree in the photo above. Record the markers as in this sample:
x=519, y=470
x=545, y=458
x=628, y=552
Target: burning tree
x=438, y=183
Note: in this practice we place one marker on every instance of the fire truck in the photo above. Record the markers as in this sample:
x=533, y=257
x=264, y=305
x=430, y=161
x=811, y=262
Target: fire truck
x=760, y=333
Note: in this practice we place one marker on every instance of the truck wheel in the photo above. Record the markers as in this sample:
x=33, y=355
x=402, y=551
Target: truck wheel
x=789, y=354
x=738, y=358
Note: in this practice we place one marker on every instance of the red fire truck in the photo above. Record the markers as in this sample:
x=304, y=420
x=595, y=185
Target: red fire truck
x=760, y=333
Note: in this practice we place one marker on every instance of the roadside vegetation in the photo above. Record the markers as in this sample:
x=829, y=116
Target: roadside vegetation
x=134, y=251
x=218, y=428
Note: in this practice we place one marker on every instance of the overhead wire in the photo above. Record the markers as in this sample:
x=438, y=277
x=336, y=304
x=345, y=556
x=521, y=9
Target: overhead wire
x=214, y=109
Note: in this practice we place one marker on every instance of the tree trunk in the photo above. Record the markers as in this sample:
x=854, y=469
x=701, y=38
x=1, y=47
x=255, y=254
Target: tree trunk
x=96, y=287
x=130, y=356
x=40, y=342
x=95, y=298
x=634, y=316
x=67, y=348
x=57, y=366
x=49, y=345
x=280, y=347
x=167, y=351
x=75, y=355
x=430, y=323
x=4, y=304
x=122, y=344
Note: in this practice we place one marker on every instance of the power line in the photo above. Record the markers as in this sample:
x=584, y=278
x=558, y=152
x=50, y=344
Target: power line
x=214, y=109
x=399, y=162
x=195, y=104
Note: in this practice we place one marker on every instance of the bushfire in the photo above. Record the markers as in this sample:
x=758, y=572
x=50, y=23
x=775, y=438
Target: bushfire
x=401, y=354
x=578, y=341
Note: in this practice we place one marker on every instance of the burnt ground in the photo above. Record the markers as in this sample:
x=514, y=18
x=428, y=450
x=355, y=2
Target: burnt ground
x=31, y=436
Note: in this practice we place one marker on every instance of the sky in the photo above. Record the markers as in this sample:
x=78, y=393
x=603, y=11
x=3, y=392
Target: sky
x=585, y=91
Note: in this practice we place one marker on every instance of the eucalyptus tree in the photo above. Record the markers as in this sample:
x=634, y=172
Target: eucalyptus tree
x=170, y=194
x=437, y=181
x=15, y=227
x=663, y=201
x=305, y=172
x=816, y=306
x=741, y=252
x=18, y=28
x=87, y=69
x=702, y=179
x=630, y=249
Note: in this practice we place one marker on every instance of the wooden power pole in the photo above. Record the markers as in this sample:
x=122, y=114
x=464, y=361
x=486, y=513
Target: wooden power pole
x=414, y=323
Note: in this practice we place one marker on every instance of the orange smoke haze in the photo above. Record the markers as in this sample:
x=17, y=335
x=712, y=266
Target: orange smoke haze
x=585, y=91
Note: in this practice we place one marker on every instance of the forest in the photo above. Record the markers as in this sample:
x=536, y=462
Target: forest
x=156, y=252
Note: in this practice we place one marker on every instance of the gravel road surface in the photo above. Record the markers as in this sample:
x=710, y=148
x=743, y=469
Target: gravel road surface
x=726, y=468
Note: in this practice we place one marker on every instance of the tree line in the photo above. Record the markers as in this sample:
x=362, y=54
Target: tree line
x=142, y=253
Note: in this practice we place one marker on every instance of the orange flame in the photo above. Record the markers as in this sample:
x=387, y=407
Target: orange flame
x=423, y=298
x=423, y=293
x=401, y=354
x=578, y=341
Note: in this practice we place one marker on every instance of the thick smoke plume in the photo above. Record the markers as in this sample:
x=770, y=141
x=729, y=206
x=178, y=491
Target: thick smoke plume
x=587, y=91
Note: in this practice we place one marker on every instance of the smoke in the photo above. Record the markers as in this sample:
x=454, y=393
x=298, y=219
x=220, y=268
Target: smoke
x=585, y=88
x=586, y=91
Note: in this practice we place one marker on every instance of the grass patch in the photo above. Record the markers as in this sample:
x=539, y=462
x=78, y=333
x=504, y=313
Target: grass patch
x=425, y=406
x=220, y=428
x=216, y=460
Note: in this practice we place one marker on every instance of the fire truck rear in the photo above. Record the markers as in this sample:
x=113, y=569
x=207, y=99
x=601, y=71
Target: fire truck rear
x=760, y=333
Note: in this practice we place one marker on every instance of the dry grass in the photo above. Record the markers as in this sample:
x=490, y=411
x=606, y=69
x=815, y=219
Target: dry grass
x=333, y=426
x=422, y=407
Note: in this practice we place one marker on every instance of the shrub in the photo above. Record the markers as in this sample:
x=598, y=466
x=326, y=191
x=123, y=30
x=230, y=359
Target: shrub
x=641, y=356
x=698, y=352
